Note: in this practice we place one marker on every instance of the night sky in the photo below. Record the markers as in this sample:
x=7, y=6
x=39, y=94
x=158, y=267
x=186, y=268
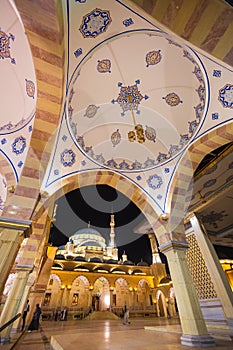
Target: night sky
x=95, y=204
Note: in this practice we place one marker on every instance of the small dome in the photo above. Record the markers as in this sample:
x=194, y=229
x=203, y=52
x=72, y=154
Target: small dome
x=79, y=258
x=142, y=263
x=164, y=280
x=128, y=262
x=59, y=257
x=111, y=261
x=95, y=259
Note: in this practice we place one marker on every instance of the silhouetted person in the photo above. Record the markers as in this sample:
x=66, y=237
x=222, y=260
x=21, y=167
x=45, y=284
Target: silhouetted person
x=34, y=325
x=25, y=312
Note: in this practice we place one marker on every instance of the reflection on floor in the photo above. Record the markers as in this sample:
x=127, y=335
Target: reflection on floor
x=142, y=334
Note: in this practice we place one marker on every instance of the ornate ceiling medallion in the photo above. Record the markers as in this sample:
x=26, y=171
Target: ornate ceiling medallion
x=95, y=23
x=153, y=57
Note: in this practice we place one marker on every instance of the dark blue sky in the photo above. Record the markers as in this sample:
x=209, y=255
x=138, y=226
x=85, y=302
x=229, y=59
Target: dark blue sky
x=94, y=204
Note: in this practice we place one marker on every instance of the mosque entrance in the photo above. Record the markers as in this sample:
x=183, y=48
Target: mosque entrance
x=101, y=295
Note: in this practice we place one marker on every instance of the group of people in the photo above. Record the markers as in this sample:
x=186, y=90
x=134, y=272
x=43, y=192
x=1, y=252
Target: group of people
x=35, y=322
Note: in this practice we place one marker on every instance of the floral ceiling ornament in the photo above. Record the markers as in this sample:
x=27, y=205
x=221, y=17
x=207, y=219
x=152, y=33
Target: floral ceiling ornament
x=67, y=157
x=91, y=111
x=172, y=99
x=30, y=88
x=129, y=97
x=226, y=96
x=5, y=45
x=19, y=145
x=95, y=23
x=153, y=57
x=115, y=138
x=155, y=181
x=104, y=66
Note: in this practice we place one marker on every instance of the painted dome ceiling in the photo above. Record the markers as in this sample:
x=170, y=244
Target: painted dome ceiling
x=121, y=111
x=17, y=72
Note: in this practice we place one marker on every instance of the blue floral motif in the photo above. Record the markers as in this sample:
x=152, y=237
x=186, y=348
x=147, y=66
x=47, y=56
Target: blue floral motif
x=226, y=96
x=99, y=158
x=67, y=157
x=214, y=116
x=128, y=22
x=78, y=52
x=19, y=145
x=217, y=73
x=124, y=165
x=95, y=23
x=155, y=182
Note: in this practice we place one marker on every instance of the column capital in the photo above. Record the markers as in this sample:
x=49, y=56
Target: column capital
x=173, y=245
x=16, y=224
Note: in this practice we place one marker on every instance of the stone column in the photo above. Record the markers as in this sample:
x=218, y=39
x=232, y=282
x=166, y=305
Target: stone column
x=193, y=325
x=11, y=237
x=218, y=276
x=12, y=304
x=17, y=324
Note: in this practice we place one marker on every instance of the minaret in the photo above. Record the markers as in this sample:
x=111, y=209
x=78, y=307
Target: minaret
x=111, y=249
x=112, y=232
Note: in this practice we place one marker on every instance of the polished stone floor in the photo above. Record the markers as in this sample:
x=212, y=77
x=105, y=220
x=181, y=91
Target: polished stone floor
x=142, y=334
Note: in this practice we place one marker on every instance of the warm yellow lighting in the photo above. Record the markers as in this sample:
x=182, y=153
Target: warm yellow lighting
x=130, y=288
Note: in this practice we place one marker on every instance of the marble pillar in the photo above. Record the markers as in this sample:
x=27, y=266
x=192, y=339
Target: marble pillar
x=193, y=325
x=10, y=241
x=11, y=307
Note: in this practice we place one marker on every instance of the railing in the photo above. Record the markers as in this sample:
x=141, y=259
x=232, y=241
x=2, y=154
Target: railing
x=9, y=322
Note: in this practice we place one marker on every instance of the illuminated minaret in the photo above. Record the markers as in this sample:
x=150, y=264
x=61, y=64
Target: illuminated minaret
x=112, y=251
x=112, y=232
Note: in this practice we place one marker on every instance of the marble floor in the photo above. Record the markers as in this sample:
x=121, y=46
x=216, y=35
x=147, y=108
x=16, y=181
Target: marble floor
x=140, y=334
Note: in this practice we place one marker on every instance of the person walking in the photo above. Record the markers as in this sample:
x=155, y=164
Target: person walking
x=126, y=315
x=35, y=322
x=25, y=312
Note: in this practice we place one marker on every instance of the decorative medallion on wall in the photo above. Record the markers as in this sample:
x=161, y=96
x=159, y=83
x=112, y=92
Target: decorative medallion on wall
x=30, y=88
x=226, y=96
x=172, y=99
x=67, y=157
x=104, y=66
x=19, y=145
x=95, y=23
x=91, y=111
x=5, y=45
x=209, y=183
x=153, y=57
x=154, y=182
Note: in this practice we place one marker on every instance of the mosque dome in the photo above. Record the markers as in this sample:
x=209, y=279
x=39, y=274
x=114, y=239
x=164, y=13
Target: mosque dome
x=87, y=237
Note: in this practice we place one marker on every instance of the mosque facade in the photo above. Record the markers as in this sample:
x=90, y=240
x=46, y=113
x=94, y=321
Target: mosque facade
x=88, y=275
